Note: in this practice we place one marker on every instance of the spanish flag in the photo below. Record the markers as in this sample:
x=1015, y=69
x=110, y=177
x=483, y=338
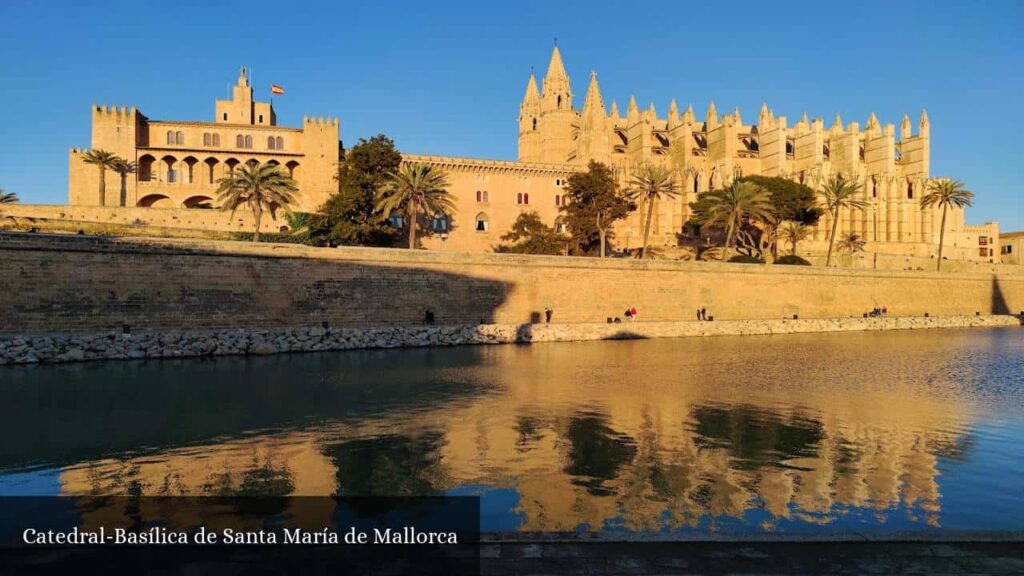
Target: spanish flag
x=275, y=89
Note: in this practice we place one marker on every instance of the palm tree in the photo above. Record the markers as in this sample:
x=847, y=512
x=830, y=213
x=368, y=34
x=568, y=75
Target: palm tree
x=649, y=183
x=947, y=193
x=792, y=233
x=413, y=190
x=257, y=186
x=732, y=205
x=102, y=160
x=839, y=192
x=8, y=198
x=851, y=243
x=124, y=168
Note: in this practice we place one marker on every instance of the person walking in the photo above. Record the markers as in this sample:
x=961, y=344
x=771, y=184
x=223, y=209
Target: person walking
x=632, y=314
x=703, y=313
x=547, y=315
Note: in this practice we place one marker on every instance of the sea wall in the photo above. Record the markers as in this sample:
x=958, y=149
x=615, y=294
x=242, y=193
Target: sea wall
x=183, y=218
x=181, y=344
x=52, y=283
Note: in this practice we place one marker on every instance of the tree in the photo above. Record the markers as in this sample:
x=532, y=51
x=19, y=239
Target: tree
x=792, y=233
x=347, y=217
x=650, y=183
x=413, y=191
x=839, y=192
x=124, y=168
x=593, y=204
x=791, y=201
x=258, y=186
x=947, y=193
x=8, y=198
x=851, y=243
x=529, y=235
x=733, y=205
x=102, y=160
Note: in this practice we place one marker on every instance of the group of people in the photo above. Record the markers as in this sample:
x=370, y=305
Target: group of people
x=702, y=314
x=878, y=312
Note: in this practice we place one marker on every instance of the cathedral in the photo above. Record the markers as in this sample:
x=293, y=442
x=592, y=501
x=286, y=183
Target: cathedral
x=179, y=162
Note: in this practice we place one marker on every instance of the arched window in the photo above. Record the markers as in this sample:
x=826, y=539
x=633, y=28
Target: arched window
x=696, y=184
x=207, y=139
x=271, y=143
x=280, y=143
x=170, y=137
x=487, y=196
x=479, y=196
x=440, y=222
x=216, y=139
x=560, y=226
x=874, y=187
x=910, y=190
x=559, y=101
x=534, y=124
x=526, y=198
x=558, y=200
x=482, y=224
x=180, y=137
x=248, y=141
x=239, y=141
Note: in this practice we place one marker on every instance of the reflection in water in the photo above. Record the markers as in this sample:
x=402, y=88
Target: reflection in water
x=846, y=431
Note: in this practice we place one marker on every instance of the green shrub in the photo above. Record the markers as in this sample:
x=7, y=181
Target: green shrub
x=792, y=260
x=745, y=259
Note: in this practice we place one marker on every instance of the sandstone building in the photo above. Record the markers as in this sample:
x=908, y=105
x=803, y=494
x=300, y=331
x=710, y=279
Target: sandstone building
x=179, y=162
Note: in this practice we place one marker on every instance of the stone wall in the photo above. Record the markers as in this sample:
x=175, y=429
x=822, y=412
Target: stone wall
x=91, y=284
x=183, y=218
x=179, y=344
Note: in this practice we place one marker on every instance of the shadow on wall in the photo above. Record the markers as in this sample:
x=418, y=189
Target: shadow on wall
x=147, y=286
x=999, y=305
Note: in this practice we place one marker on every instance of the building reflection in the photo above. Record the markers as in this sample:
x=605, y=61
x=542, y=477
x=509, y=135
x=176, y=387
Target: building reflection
x=662, y=447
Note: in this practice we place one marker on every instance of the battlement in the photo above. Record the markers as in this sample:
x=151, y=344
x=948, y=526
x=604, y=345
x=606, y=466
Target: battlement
x=320, y=120
x=117, y=111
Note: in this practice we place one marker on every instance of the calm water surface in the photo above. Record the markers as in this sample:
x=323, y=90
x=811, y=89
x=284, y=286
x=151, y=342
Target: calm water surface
x=837, y=432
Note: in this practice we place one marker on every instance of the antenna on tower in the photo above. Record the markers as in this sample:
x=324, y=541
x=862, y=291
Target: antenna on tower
x=556, y=40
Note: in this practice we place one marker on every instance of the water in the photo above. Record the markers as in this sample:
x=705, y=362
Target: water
x=805, y=433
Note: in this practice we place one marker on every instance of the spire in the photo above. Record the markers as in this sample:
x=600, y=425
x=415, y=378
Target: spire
x=924, y=118
x=837, y=126
x=804, y=120
x=593, y=101
x=764, y=117
x=632, y=110
x=615, y=110
x=673, y=114
x=924, y=128
x=905, y=127
x=872, y=124
x=651, y=112
x=532, y=93
x=555, y=68
x=736, y=116
x=712, y=116
x=688, y=116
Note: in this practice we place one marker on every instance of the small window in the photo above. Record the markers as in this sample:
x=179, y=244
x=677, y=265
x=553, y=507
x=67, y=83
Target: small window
x=910, y=190
x=479, y=196
x=440, y=223
x=216, y=139
x=180, y=138
x=225, y=116
x=239, y=141
x=558, y=200
x=280, y=143
x=534, y=124
x=526, y=198
x=396, y=221
x=982, y=240
x=248, y=141
x=207, y=139
x=983, y=252
x=482, y=225
x=261, y=118
x=271, y=143
x=519, y=198
x=170, y=137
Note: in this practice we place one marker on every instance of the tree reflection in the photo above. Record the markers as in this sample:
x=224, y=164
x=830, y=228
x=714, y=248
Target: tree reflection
x=596, y=453
x=388, y=465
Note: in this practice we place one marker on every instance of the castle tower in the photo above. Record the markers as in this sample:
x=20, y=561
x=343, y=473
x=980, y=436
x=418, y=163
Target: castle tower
x=242, y=109
x=557, y=116
x=529, y=118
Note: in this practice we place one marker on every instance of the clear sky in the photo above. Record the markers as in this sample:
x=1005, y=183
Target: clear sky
x=447, y=77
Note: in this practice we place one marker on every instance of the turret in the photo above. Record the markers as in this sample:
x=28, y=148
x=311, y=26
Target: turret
x=905, y=128
x=712, y=117
x=529, y=117
x=557, y=116
x=673, y=115
x=924, y=126
x=594, y=141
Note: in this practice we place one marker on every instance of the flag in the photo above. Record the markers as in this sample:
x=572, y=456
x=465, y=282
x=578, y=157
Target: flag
x=275, y=89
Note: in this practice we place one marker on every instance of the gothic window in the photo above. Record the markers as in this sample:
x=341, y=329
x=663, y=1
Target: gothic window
x=180, y=138
x=874, y=187
x=559, y=101
x=482, y=224
x=534, y=124
x=696, y=184
x=910, y=190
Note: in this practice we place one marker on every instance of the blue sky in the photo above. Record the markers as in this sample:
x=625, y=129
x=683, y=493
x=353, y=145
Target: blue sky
x=447, y=77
